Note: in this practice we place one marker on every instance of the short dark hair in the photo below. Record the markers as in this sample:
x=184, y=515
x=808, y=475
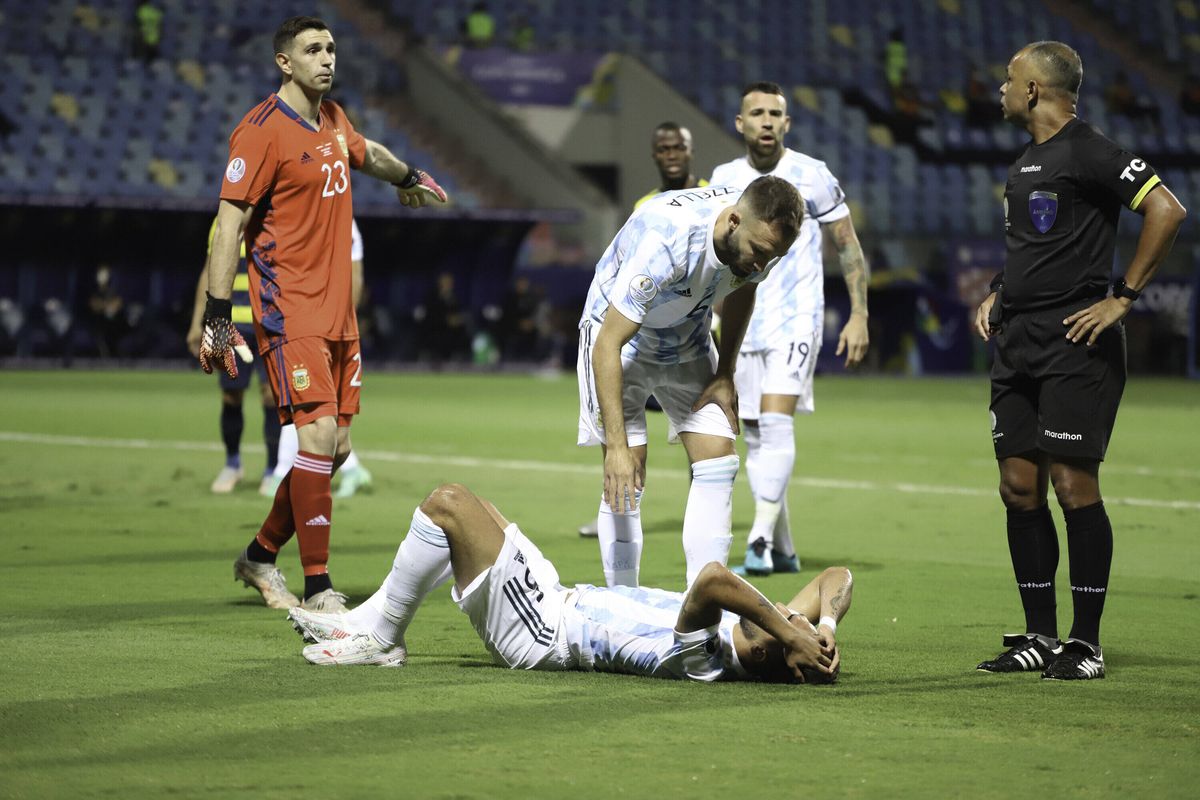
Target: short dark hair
x=766, y=87
x=776, y=202
x=292, y=27
x=669, y=127
x=1059, y=64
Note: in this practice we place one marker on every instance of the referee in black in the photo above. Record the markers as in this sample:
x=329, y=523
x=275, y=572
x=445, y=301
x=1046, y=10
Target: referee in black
x=1059, y=367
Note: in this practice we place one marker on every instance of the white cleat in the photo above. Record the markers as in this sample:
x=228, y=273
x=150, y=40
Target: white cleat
x=269, y=485
x=226, y=480
x=361, y=648
x=326, y=602
x=352, y=481
x=316, y=627
x=267, y=579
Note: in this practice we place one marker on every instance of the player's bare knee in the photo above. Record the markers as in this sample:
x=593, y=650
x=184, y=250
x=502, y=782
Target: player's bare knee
x=1018, y=495
x=445, y=502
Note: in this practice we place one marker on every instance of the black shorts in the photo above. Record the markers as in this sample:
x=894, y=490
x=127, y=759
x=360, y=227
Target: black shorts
x=245, y=371
x=1051, y=394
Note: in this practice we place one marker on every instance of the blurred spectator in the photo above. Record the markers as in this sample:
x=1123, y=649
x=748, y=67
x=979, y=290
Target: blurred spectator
x=147, y=31
x=479, y=27
x=523, y=37
x=105, y=313
x=519, y=322
x=1120, y=98
x=1189, y=95
x=909, y=109
x=895, y=58
x=443, y=322
x=983, y=101
x=7, y=126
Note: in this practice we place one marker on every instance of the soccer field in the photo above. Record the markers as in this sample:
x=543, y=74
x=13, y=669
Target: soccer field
x=134, y=666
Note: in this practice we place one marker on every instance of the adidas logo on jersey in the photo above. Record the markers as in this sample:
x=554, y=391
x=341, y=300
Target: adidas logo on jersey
x=319, y=519
x=304, y=159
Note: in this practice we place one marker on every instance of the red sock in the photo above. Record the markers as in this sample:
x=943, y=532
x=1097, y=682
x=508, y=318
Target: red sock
x=278, y=527
x=312, y=509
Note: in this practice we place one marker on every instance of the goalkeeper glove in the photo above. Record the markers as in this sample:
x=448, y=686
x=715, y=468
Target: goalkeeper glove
x=219, y=339
x=417, y=187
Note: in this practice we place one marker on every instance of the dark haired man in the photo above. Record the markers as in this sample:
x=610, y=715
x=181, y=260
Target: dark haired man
x=645, y=330
x=779, y=354
x=286, y=193
x=1059, y=368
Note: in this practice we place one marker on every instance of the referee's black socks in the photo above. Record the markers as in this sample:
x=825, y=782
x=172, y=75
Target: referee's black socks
x=1033, y=545
x=1090, y=545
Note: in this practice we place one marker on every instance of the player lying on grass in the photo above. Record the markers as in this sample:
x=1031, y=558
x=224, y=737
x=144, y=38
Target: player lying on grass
x=723, y=628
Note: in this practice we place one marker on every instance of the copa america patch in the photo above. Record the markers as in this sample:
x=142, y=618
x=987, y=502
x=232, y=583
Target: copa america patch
x=300, y=379
x=235, y=171
x=1043, y=210
x=642, y=289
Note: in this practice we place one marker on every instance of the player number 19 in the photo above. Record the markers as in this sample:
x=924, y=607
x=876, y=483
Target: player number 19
x=340, y=184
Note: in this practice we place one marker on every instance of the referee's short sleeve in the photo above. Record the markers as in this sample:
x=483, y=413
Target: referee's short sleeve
x=1116, y=170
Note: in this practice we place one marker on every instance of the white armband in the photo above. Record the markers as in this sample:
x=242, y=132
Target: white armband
x=828, y=622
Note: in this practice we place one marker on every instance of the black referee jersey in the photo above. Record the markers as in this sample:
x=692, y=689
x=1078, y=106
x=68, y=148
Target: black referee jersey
x=1061, y=206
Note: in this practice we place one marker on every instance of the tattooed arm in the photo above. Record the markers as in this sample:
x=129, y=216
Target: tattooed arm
x=854, y=339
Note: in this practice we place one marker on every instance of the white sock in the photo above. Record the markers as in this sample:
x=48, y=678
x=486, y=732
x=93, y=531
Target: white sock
x=620, y=538
x=708, y=519
x=783, y=530
x=289, y=445
x=351, y=461
x=753, y=448
x=776, y=457
x=421, y=562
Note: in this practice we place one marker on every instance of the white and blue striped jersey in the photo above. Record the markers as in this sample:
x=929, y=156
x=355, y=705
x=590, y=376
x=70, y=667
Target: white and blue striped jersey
x=631, y=629
x=796, y=287
x=661, y=272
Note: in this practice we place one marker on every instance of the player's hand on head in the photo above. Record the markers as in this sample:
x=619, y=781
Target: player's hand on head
x=418, y=188
x=1090, y=322
x=721, y=391
x=220, y=342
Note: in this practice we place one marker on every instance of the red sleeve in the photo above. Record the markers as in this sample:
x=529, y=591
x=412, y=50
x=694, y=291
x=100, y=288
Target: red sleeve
x=253, y=161
x=356, y=143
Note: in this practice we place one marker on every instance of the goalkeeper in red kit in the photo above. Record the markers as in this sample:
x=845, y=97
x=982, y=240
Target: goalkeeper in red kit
x=287, y=193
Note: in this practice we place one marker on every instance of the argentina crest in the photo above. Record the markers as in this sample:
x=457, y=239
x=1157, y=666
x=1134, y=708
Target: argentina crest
x=1043, y=209
x=300, y=378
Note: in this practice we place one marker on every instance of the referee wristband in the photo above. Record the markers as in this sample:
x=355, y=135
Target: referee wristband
x=828, y=622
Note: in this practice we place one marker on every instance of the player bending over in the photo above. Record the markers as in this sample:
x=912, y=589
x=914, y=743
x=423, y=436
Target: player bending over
x=721, y=629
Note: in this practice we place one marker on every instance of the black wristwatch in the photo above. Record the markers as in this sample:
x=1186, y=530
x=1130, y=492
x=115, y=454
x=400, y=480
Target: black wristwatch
x=1121, y=290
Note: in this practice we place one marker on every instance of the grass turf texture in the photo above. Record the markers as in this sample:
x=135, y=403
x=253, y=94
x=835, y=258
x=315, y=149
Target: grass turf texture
x=135, y=666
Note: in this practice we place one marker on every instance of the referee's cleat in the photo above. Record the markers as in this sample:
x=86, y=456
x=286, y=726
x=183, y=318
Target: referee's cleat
x=1026, y=652
x=361, y=648
x=1079, y=661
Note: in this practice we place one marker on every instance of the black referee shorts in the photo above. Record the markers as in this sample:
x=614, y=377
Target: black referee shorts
x=1051, y=394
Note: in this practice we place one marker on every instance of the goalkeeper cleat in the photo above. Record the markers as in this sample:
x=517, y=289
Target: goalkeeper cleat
x=326, y=602
x=758, y=558
x=315, y=627
x=590, y=529
x=1027, y=652
x=226, y=479
x=361, y=648
x=267, y=579
x=352, y=481
x=782, y=563
x=1079, y=661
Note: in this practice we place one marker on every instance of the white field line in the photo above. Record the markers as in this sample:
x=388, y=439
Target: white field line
x=660, y=473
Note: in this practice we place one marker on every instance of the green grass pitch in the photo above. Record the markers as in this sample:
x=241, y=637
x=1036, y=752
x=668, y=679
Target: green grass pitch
x=134, y=666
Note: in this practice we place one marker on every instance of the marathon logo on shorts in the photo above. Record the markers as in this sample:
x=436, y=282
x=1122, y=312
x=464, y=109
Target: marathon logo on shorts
x=1043, y=210
x=642, y=289
x=300, y=378
x=1063, y=435
x=235, y=171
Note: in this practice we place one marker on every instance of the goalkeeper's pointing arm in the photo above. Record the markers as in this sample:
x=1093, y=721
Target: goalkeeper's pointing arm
x=414, y=187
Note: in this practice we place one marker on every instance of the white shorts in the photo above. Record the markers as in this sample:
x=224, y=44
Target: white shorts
x=516, y=607
x=675, y=386
x=787, y=370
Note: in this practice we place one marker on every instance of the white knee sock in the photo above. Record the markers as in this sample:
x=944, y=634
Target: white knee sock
x=776, y=457
x=783, y=530
x=620, y=538
x=708, y=519
x=753, y=441
x=289, y=445
x=420, y=566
